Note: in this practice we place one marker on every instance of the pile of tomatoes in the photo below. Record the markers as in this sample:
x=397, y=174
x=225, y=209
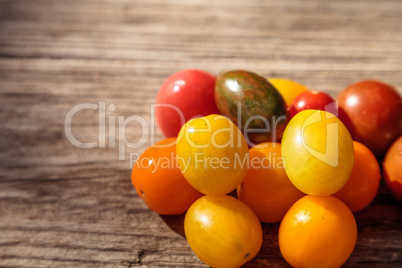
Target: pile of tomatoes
x=289, y=155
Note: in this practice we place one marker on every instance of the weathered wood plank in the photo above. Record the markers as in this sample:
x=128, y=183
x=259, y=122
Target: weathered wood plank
x=64, y=206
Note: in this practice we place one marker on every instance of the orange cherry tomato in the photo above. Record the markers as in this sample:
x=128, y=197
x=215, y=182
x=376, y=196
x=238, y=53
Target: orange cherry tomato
x=363, y=183
x=222, y=231
x=266, y=189
x=392, y=169
x=317, y=232
x=159, y=182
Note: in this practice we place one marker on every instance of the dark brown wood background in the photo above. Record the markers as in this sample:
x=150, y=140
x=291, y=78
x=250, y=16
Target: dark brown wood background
x=64, y=206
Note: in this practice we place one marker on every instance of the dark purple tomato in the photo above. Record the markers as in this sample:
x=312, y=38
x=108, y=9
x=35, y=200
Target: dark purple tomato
x=184, y=95
x=372, y=111
x=312, y=99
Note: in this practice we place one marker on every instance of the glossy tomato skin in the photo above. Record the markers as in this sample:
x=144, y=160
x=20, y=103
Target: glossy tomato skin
x=318, y=152
x=266, y=189
x=185, y=94
x=212, y=154
x=222, y=231
x=312, y=99
x=363, y=183
x=372, y=111
x=317, y=232
x=159, y=182
x=392, y=165
x=253, y=104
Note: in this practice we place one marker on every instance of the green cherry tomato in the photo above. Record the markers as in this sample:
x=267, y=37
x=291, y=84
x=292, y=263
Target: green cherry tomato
x=253, y=104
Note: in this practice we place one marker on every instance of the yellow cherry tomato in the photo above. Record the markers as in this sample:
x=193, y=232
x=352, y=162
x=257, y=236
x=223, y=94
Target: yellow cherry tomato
x=318, y=152
x=222, y=231
x=288, y=88
x=212, y=154
x=266, y=189
x=317, y=232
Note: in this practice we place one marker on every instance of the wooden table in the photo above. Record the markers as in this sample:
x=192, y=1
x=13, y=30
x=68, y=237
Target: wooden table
x=65, y=206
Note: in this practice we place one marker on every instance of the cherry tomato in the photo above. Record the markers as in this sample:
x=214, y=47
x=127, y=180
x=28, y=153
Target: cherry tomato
x=313, y=99
x=184, y=95
x=159, y=182
x=363, y=184
x=266, y=189
x=392, y=169
x=318, y=152
x=288, y=89
x=372, y=111
x=222, y=231
x=212, y=154
x=253, y=104
x=317, y=232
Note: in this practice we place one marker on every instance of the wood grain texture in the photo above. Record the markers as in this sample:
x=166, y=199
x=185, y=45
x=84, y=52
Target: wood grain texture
x=63, y=206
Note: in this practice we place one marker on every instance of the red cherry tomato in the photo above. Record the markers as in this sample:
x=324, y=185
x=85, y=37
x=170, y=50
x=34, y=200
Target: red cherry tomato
x=372, y=111
x=184, y=95
x=312, y=99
